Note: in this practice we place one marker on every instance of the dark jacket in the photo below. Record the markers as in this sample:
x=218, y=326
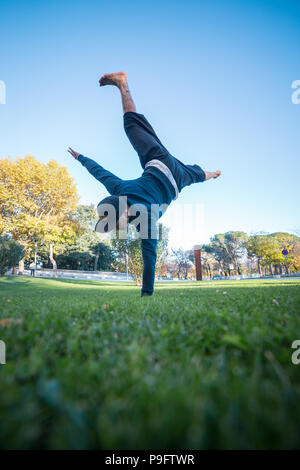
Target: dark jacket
x=153, y=187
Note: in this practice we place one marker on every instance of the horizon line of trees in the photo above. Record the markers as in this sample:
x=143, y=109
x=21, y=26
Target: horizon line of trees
x=39, y=206
x=235, y=252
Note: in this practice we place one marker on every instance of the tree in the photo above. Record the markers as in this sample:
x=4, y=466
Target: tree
x=262, y=248
x=236, y=245
x=11, y=252
x=36, y=202
x=128, y=252
x=267, y=250
x=288, y=242
x=85, y=260
x=86, y=252
x=183, y=261
x=227, y=249
x=208, y=261
x=296, y=257
x=162, y=249
x=90, y=241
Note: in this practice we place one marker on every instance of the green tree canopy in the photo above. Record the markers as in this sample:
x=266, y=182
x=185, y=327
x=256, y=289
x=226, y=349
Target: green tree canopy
x=87, y=251
x=37, y=201
x=11, y=252
x=228, y=249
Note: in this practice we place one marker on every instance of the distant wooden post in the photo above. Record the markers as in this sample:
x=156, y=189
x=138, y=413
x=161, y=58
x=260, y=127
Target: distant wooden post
x=197, y=254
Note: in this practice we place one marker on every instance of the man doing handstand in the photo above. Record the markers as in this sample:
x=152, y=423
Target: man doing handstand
x=163, y=178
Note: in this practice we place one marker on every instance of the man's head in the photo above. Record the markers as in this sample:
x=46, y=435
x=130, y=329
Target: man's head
x=113, y=214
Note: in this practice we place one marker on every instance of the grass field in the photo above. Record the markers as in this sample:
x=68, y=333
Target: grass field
x=197, y=366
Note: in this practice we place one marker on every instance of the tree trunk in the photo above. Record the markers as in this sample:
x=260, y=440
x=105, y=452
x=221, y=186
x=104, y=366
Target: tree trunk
x=96, y=262
x=286, y=268
x=270, y=268
x=258, y=266
x=54, y=265
x=186, y=271
x=21, y=267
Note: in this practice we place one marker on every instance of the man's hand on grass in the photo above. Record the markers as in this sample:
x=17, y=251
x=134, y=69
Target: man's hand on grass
x=73, y=153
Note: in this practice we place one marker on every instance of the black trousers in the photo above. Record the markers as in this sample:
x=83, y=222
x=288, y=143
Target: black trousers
x=143, y=138
x=148, y=147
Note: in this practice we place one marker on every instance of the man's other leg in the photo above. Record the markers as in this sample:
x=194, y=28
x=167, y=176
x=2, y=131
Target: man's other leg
x=138, y=130
x=143, y=138
x=119, y=80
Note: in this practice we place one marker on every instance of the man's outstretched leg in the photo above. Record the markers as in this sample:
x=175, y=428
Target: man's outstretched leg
x=138, y=129
x=119, y=80
x=140, y=132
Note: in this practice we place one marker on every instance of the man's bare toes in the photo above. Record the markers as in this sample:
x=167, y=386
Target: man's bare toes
x=217, y=173
x=113, y=79
x=105, y=81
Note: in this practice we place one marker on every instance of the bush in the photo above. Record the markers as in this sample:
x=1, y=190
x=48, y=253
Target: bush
x=99, y=254
x=11, y=252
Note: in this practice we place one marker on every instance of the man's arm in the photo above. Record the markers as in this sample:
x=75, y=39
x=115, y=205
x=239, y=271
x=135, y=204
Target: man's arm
x=149, y=249
x=108, y=179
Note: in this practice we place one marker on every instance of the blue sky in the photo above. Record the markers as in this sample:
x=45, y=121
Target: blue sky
x=212, y=77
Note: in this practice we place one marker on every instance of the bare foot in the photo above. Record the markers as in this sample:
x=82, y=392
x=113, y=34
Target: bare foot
x=113, y=79
x=211, y=174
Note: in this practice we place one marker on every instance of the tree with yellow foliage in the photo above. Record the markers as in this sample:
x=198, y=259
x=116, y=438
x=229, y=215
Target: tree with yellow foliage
x=37, y=202
x=289, y=242
x=267, y=249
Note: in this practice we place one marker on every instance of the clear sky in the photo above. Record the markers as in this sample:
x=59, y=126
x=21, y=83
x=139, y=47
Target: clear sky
x=212, y=77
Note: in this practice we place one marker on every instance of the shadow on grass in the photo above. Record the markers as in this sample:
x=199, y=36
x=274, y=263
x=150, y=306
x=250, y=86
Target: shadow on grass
x=94, y=282
x=17, y=282
x=13, y=280
x=9, y=283
x=241, y=284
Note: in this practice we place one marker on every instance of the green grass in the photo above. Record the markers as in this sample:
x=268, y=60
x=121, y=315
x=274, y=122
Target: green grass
x=92, y=365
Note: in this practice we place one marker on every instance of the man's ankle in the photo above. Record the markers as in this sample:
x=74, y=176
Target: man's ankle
x=145, y=294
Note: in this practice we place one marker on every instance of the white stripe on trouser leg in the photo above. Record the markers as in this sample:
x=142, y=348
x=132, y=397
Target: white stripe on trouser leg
x=166, y=171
